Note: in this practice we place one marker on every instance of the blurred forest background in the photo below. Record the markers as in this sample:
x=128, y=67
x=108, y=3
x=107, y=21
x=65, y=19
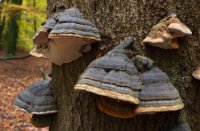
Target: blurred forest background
x=19, y=20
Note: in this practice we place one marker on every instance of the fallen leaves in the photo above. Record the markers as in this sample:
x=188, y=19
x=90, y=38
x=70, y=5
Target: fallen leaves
x=15, y=76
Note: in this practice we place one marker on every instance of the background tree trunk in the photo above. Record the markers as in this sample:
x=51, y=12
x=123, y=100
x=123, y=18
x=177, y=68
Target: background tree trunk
x=34, y=21
x=2, y=23
x=118, y=19
x=12, y=30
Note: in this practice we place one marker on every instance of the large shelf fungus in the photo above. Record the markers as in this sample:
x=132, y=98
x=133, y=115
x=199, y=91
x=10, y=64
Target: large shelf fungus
x=65, y=37
x=71, y=37
x=165, y=33
x=127, y=87
x=158, y=94
x=113, y=75
x=37, y=99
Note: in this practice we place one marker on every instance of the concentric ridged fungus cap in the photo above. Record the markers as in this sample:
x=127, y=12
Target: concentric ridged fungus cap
x=158, y=94
x=113, y=75
x=51, y=22
x=37, y=99
x=72, y=24
x=70, y=37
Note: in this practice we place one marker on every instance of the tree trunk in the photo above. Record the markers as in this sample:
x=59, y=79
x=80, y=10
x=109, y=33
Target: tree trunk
x=34, y=21
x=12, y=30
x=118, y=19
x=2, y=24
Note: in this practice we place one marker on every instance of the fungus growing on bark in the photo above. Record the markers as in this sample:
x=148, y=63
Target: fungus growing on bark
x=71, y=37
x=158, y=94
x=37, y=99
x=113, y=75
x=41, y=43
x=51, y=21
x=40, y=39
x=128, y=87
x=143, y=63
x=196, y=73
x=163, y=33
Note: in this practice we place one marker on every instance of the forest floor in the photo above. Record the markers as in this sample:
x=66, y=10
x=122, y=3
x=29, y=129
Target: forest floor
x=15, y=76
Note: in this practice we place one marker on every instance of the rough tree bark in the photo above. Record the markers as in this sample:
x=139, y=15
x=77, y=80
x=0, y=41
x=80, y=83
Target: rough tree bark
x=118, y=19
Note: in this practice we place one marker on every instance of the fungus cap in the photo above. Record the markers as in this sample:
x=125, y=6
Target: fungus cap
x=36, y=52
x=196, y=73
x=158, y=94
x=51, y=22
x=41, y=37
x=163, y=33
x=113, y=75
x=72, y=24
x=37, y=99
x=72, y=36
x=177, y=28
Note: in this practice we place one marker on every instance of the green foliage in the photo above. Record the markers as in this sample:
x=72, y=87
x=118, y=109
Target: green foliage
x=32, y=14
x=26, y=23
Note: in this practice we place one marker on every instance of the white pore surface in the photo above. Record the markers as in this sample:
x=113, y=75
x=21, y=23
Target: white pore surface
x=65, y=49
x=36, y=53
x=153, y=40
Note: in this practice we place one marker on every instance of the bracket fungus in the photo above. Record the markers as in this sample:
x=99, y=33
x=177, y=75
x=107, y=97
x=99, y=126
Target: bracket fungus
x=37, y=99
x=127, y=87
x=40, y=39
x=51, y=22
x=65, y=36
x=196, y=73
x=158, y=94
x=113, y=75
x=165, y=33
x=71, y=37
x=143, y=63
x=41, y=43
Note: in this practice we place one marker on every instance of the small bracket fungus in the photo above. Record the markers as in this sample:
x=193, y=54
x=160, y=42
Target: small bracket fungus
x=71, y=36
x=41, y=43
x=128, y=87
x=143, y=63
x=41, y=40
x=37, y=99
x=113, y=75
x=163, y=34
x=196, y=73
